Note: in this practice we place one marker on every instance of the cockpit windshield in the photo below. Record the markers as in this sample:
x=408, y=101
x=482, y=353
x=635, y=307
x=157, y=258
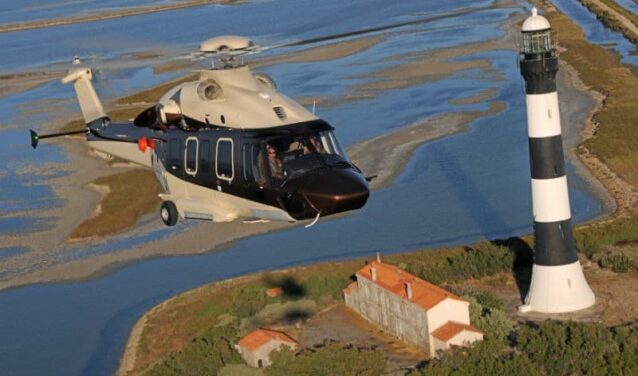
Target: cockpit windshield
x=297, y=154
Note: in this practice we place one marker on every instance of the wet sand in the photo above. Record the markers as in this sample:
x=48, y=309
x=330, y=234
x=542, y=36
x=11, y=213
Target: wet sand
x=386, y=156
x=11, y=84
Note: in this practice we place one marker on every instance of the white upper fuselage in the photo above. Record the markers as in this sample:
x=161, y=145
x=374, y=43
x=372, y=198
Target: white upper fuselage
x=241, y=101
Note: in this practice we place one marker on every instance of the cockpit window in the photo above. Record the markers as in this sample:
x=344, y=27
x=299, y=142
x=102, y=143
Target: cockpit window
x=294, y=155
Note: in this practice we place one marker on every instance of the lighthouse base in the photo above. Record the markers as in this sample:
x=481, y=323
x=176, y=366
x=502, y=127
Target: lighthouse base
x=558, y=289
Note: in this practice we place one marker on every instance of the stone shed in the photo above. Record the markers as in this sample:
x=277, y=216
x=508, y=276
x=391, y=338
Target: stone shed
x=256, y=347
x=411, y=308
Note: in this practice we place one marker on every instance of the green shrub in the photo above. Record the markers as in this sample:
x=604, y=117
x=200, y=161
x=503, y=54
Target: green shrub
x=567, y=348
x=331, y=285
x=204, y=355
x=330, y=359
x=618, y=262
x=478, y=261
x=492, y=321
x=248, y=301
x=587, y=243
x=553, y=348
x=483, y=297
x=489, y=357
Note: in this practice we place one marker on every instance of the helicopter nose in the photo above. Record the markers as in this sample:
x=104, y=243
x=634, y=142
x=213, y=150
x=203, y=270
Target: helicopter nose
x=333, y=191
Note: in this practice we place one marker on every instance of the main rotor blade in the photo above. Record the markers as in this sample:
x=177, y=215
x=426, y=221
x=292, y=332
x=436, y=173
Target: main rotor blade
x=326, y=38
x=35, y=137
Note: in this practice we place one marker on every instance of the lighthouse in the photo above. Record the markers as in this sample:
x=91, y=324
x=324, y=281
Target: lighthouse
x=558, y=284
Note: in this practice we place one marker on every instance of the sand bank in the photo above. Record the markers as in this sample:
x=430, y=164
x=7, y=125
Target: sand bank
x=107, y=15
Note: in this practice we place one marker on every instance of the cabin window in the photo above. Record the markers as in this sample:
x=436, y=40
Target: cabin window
x=251, y=157
x=224, y=160
x=191, y=155
x=175, y=154
x=174, y=150
x=204, y=157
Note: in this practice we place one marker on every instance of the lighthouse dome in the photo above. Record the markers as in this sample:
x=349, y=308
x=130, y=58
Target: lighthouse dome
x=535, y=22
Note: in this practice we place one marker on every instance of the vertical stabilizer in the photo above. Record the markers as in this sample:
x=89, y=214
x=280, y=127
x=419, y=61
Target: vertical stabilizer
x=87, y=97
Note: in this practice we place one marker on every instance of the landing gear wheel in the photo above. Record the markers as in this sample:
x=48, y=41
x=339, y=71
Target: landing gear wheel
x=168, y=213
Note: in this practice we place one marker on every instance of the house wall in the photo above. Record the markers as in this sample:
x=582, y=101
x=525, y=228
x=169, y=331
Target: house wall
x=252, y=357
x=394, y=314
x=464, y=338
x=447, y=310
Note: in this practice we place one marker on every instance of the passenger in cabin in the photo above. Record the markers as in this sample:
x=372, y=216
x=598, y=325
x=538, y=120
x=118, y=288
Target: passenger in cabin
x=274, y=164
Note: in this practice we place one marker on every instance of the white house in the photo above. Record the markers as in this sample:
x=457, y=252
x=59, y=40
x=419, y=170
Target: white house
x=256, y=347
x=410, y=308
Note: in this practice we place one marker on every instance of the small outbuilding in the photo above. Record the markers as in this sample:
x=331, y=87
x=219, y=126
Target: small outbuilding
x=256, y=347
x=274, y=292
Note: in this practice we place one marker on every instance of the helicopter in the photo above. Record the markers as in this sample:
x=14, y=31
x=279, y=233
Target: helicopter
x=228, y=145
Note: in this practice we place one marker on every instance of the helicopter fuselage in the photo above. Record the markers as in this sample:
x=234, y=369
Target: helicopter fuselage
x=223, y=174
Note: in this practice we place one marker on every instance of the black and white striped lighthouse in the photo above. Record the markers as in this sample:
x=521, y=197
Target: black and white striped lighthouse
x=558, y=283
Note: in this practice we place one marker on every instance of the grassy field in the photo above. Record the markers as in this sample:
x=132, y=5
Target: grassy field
x=131, y=194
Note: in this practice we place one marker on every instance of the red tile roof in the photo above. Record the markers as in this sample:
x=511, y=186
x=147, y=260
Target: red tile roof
x=394, y=279
x=450, y=329
x=260, y=337
x=274, y=291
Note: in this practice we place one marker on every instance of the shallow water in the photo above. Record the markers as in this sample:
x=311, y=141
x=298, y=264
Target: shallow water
x=456, y=190
x=630, y=5
x=33, y=10
x=596, y=32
